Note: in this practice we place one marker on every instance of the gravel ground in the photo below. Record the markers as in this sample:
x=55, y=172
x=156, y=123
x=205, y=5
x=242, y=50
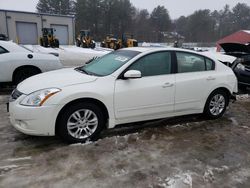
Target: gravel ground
x=181, y=152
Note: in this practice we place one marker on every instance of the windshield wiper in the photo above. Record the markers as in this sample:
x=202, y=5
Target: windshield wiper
x=89, y=61
x=82, y=70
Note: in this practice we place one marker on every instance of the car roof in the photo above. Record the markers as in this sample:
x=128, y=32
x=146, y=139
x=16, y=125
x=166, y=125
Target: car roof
x=158, y=49
x=155, y=49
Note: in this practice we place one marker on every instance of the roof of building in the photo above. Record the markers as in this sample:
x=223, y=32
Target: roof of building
x=37, y=13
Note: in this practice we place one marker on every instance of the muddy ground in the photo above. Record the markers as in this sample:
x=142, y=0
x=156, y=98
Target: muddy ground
x=179, y=152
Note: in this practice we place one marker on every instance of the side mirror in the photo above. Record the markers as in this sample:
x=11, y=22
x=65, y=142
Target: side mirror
x=132, y=74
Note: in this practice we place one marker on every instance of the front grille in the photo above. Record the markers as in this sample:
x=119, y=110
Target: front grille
x=15, y=95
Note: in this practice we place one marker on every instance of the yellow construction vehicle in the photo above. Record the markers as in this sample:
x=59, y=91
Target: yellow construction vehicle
x=126, y=41
x=110, y=42
x=85, y=40
x=48, y=39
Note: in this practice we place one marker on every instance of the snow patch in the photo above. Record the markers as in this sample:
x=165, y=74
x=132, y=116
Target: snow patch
x=122, y=172
x=88, y=142
x=4, y=169
x=241, y=176
x=242, y=97
x=209, y=173
x=19, y=159
x=182, y=180
x=234, y=121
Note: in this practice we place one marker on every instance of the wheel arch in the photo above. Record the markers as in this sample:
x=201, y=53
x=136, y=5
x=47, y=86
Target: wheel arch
x=89, y=100
x=23, y=67
x=222, y=88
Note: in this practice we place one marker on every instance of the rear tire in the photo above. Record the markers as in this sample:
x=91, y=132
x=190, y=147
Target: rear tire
x=216, y=104
x=80, y=122
x=24, y=73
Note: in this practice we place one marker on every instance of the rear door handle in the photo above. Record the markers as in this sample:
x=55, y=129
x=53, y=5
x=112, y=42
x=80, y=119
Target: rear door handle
x=211, y=78
x=167, y=85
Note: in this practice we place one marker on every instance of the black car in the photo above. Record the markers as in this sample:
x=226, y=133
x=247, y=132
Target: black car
x=3, y=37
x=241, y=66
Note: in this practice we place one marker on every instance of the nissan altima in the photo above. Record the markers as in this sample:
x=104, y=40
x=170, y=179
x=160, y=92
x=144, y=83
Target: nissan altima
x=128, y=85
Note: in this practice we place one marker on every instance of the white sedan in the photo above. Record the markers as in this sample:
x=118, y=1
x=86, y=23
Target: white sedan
x=128, y=85
x=18, y=63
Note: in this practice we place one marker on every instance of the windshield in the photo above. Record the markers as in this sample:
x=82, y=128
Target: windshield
x=109, y=63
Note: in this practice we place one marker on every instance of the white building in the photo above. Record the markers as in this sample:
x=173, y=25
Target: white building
x=26, y=27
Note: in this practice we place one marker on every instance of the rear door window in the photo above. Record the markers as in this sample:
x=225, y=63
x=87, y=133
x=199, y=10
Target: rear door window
x=188, y=62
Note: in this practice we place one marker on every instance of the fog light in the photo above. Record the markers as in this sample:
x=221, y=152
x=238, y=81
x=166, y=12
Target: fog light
x=21, y=124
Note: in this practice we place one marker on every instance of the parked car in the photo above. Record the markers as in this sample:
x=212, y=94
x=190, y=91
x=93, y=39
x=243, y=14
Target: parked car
x=3, y=37
x=128, y=85
x=18, y=63
x=241, y=65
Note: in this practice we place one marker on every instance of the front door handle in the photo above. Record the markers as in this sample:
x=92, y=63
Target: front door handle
x=211, y=78
x=168, y=85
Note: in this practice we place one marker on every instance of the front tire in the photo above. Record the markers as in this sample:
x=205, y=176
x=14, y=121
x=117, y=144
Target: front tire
x=216, y=104
x=81, y=122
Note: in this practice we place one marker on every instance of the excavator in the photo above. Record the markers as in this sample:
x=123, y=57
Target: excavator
x=84, y=40
x=48, y=39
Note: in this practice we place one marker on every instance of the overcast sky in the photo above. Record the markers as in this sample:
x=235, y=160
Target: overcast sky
x=176, y=8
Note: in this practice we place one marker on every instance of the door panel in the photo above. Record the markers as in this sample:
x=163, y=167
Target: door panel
x=191, y=90
x=144, y=96
x=193, y=81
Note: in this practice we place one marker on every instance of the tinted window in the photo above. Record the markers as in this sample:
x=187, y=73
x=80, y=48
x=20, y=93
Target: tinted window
x=188, y=62
x=153, y=64
x=2, y=50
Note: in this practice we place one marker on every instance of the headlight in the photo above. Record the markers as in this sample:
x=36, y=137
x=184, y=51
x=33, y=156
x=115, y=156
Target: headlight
x=38, y=98
x=241, y=67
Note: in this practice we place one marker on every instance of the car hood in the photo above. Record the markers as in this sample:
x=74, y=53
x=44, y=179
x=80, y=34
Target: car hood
x=54, y=79
x=235, y=47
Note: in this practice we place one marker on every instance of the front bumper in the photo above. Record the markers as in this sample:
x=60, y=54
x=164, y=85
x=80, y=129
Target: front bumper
x=39, y=121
